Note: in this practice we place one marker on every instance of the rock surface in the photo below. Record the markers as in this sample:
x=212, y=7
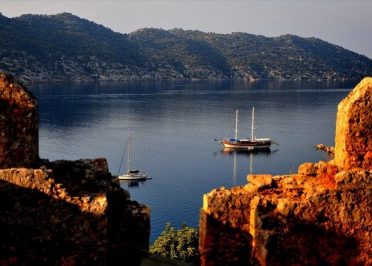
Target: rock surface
x=61, y=212
x=320, y=216
x=19, y=124
x=354, y=128
x=330, y=150
x=69, y=212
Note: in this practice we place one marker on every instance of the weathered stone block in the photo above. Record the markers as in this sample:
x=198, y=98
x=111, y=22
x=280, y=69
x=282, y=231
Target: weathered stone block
x=307, y=169
x=59, y=215
x=260, y=180
x=19, y=124
x=353, y=141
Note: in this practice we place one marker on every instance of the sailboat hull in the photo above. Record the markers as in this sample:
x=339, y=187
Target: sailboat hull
x=133, y=176
x=247, y=144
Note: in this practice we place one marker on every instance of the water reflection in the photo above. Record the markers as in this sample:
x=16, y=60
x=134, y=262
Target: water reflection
x=164, y=87
x=133, y=183
x=245, y=154
x=70, y=107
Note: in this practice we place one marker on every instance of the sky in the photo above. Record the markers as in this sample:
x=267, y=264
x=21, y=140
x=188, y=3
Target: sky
x=347, y=23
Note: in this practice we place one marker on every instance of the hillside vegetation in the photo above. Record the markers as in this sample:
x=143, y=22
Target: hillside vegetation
x=65, y=47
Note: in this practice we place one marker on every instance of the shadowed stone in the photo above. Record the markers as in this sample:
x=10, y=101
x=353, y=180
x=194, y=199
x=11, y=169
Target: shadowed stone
x=61, y=212
x=19, y=124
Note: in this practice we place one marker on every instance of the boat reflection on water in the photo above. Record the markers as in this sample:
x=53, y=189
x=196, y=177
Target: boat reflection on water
x=248, y=153
x=133, y=183
x=232, y=151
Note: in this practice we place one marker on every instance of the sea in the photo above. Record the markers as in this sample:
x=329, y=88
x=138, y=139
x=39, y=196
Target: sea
x=174, y=126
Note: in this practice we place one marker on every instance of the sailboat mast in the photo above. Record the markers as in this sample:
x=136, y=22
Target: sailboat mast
x=129, y=152
x=236, y=125
x=252, y=133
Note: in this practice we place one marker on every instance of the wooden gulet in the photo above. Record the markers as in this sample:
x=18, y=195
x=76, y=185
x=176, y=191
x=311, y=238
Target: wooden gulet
x=252, y=143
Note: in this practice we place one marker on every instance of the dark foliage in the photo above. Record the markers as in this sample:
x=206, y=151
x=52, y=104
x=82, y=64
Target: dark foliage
x=180, y=244
x=66, y=47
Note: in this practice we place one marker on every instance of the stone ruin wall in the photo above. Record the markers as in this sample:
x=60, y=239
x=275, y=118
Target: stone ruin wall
x=19, y=124
x=353, y=129
x=61, y=212
x=321, y=215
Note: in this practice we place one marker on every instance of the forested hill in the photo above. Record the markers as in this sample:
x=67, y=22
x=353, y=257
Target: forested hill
x=65, y=47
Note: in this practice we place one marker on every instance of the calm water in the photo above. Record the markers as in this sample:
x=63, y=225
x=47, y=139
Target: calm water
x=175, y=125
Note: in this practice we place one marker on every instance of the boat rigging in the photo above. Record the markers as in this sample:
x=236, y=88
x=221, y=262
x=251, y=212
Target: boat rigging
x=251, y=143
x=132, y=174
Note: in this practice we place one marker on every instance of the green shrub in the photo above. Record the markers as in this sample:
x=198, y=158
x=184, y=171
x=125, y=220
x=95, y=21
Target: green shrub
x=182, y=244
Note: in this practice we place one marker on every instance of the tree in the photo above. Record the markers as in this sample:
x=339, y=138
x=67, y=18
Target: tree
x=182, y=244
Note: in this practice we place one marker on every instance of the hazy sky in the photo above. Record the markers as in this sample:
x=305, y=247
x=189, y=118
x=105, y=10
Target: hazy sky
x=347, y=23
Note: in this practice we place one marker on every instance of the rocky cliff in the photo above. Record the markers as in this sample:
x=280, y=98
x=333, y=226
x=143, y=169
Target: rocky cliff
x=60, y=212
x=321, y=215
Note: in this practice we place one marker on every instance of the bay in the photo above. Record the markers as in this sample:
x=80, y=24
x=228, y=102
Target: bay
x=174, y=126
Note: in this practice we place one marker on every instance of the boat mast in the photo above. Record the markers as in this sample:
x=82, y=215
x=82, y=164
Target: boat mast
x=252, y=133
x=236, y=125
x=129, y=152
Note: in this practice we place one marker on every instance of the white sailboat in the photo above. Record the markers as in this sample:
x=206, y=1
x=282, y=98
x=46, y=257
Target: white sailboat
x=252, y=143
x=132, y=174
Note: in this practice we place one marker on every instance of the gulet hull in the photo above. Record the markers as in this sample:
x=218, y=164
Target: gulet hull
x=247, y=144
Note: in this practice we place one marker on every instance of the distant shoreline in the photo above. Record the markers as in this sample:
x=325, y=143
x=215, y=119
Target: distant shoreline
x=59, y=81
